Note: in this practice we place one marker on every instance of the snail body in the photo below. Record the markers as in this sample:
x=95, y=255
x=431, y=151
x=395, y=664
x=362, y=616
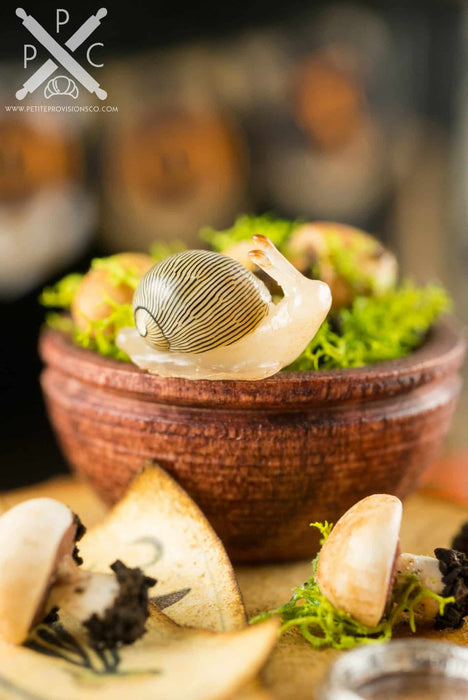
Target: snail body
x=198, y=300
x=202, y=315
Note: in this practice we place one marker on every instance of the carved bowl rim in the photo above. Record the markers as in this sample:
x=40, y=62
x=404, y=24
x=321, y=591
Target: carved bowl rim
x=439, y=356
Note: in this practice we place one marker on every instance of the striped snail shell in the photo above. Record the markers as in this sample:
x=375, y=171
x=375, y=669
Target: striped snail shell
x=198, y=300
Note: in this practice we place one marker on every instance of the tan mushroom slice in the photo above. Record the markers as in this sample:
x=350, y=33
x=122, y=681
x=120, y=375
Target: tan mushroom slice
x=159, y=528
x=357, y=561
x=39, y=571
x=170, y=662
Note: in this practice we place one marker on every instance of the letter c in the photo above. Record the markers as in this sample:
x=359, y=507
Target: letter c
x=88, y=55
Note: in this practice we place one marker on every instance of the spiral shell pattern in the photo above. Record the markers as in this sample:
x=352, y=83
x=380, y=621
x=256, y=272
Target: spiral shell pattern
x=198, y=300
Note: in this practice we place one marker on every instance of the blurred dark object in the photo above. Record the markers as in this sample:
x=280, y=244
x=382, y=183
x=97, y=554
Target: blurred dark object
x=28, y=450
x=46, y=212
x=460, y=541
x=170, y=168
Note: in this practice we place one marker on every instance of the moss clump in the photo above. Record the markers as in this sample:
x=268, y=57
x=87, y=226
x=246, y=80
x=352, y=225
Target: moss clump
x=119, y=270
x=61, y=294
x=277, y=230
x=160, y=250
x=99, y=335
x=322, y=625
x=375, y=329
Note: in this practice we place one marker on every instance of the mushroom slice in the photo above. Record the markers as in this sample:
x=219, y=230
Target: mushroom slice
x=39, y=572
x=357, y=561
x=169, y=662
x=158, y=527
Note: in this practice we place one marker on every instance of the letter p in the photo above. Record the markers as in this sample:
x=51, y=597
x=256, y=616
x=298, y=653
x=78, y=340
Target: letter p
x=61, y=12
x=27, y=56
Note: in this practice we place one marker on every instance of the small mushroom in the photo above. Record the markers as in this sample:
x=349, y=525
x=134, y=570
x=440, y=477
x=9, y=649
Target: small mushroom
x=349, y=260
x=357, y=561
x=360, y=563
x=39, y=572
x=98, y=288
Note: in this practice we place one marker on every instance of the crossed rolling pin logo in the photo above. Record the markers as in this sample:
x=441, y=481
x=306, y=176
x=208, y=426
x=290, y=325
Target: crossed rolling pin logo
x=61, y=56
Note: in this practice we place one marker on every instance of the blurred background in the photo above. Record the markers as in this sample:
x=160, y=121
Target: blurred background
x=351, y=112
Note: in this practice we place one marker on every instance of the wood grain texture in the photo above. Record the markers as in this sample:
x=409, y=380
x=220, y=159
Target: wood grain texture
x=262, y=459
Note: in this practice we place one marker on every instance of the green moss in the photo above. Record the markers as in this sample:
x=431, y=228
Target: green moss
x=60, y=295
x=101, y=335
x=375, y=329
x=246, y=226
x=160, y=250
x=118, y=273
x=59, y=322
x=322, y=625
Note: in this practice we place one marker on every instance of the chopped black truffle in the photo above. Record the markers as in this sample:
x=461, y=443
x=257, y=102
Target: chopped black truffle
x=453, y=566
x=460, y=541
x=52, y=616
x=124, y=621
x=80, y=531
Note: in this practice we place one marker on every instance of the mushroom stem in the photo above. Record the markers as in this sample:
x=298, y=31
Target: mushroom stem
x=113, y=607
x=429, y=575
x=82, y=593
x=425, y=568
x=39, y=573
x=446, y=574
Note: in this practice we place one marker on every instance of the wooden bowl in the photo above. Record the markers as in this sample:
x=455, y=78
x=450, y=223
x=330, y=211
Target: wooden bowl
x=262, y=459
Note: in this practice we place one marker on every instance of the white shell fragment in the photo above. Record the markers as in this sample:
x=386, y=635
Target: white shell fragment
x=210, y=318
x=357, y=561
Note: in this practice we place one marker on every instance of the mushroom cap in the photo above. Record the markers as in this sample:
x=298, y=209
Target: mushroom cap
x=315, y=244
x=357, y=561
x=34, y=536
x=90, y=302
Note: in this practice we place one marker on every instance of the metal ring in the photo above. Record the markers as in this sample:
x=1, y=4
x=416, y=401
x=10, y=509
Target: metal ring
x=402, y=660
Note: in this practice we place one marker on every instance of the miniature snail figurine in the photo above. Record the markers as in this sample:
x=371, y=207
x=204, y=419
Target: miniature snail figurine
x=202, y=315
